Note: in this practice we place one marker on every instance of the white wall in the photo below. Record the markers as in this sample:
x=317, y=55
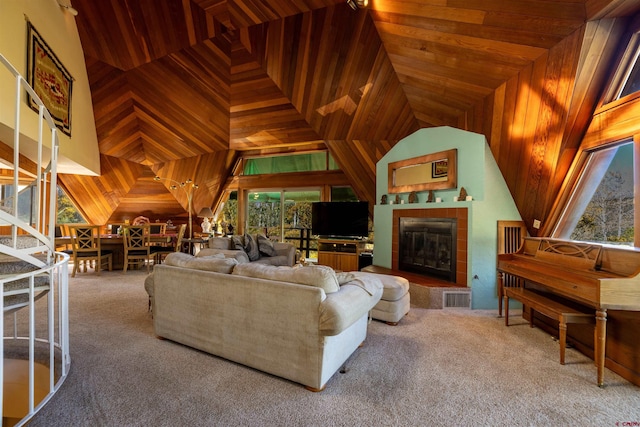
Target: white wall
x=78, y=154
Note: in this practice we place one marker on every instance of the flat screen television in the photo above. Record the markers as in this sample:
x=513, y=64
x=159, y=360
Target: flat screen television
x=340, y=219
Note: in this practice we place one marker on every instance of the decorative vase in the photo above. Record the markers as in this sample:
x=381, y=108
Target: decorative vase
x=206, y=226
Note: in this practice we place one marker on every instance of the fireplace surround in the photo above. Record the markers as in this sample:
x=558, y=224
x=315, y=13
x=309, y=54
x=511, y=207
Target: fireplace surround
x=456, y=219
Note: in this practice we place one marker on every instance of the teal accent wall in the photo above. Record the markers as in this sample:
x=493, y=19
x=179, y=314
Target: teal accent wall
x=478, y=173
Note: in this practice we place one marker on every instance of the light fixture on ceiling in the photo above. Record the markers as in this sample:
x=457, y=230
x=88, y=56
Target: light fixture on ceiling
x=66, y=5
x=356, y=4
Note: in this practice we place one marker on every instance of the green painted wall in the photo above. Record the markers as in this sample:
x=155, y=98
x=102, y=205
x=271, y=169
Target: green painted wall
x=478, y=173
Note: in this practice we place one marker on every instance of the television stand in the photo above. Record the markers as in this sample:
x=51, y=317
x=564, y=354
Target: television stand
x=340, y=254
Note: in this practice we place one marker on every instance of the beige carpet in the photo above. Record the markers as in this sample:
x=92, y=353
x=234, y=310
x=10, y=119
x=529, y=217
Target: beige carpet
x=436, y=368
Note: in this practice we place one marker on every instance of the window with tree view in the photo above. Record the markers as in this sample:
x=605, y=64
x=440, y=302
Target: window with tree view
x=603, y=205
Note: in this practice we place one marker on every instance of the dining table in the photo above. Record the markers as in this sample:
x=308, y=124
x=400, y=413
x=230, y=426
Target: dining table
x=115, y=244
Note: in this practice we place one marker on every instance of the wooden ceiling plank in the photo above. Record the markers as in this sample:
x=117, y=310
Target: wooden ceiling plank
x=438, y=9
x=491, y=47
x=543, y=8
x=424, y=54
x=518, y=29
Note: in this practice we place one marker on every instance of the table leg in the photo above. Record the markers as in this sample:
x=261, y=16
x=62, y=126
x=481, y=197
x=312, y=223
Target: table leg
x=600, y=343
x=500, y=292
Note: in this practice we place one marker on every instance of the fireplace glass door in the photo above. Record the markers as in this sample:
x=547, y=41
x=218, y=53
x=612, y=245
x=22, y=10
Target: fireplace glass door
x=428, y=246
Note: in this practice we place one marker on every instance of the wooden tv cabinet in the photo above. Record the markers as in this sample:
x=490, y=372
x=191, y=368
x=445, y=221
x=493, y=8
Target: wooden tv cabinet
x=340, y=254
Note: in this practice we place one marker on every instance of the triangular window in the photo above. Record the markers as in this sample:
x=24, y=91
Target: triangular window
x=632, y=84
x=626, y=80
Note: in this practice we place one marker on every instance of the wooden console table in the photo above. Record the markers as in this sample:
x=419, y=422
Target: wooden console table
x=340, y=254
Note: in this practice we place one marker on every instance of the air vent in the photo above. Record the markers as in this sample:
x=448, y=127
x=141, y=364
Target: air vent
x=456, y=299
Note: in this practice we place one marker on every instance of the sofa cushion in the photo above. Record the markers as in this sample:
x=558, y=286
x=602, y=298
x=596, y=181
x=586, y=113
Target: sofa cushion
x=241, y=256
x=274, y=260
x=220, y=243
x=265, y=246
x=320, y=276
x=216, y=263
x=395, y=287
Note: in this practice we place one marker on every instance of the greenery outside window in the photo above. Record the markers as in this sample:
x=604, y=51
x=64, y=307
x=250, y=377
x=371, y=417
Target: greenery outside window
x=307, y=162
x=284, y=215
x=602, y=205
x=67, y=211
x=343, y=194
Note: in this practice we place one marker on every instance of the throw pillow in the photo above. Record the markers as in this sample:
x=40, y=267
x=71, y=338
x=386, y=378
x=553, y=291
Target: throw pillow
x=237, y=242
x=251, y=247
x=265, y=246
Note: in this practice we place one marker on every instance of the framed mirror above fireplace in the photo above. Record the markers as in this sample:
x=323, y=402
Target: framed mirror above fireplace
x=436, y=171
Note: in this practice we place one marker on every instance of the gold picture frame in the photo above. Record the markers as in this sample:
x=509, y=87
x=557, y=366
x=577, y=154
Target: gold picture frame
x=435, y=171
x=49, y=79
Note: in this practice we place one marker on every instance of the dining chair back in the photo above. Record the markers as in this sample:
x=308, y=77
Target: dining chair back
x=62, y=237
x=137, y=247
x=158, y=228
x=85, y=244
x=163, y=251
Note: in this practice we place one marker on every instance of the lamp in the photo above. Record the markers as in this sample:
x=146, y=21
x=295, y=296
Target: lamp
x=188, y=187
x=355, y=4
x=66, y=5
x=205, y=213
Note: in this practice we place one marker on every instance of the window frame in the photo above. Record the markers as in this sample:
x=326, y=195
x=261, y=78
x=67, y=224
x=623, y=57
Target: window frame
x=585, y=186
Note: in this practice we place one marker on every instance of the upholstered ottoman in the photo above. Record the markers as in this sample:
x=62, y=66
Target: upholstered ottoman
x=395, y=300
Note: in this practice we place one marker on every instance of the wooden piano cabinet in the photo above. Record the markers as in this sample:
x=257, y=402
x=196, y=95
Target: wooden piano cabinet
x=603, y=278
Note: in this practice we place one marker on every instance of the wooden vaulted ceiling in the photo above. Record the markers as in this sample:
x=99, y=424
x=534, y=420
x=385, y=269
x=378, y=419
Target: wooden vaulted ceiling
x=182, y=88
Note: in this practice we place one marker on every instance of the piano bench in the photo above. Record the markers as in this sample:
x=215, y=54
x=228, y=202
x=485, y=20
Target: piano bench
x=534, y=301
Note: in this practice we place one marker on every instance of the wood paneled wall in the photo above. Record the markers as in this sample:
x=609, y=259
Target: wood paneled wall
x=535, y=122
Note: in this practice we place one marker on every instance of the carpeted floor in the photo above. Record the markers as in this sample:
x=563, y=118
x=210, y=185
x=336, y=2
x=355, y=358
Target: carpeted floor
x=436, y=368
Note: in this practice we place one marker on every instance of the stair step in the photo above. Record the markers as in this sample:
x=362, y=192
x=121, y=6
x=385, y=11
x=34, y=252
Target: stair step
x=18, y=289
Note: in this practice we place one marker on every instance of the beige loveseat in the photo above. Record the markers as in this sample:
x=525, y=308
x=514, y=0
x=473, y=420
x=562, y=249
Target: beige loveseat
x=298, y=323
x=283, y=253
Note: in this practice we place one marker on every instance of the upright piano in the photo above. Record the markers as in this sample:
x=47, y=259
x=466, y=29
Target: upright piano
x=598, y=277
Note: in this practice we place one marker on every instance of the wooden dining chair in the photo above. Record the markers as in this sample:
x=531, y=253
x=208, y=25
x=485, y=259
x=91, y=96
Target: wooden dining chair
x=163, y=251
x=137, y=246
x=62, y=238
x=158, y=228
x=85, y=245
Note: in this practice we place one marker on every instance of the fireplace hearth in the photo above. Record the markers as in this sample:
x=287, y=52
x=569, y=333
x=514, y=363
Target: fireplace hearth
x=428, y=246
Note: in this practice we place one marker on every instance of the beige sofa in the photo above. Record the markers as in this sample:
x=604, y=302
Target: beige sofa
x=298, y=323
x=285, y=253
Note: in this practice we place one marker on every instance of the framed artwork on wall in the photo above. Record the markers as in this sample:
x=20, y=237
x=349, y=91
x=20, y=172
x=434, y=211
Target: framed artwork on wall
x=435, y=171
x=49, y=79
x=439, y=168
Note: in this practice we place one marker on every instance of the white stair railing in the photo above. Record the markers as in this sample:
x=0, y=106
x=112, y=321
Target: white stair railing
x=39, y=269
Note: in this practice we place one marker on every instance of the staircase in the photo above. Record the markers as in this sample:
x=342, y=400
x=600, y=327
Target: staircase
x=33, y=276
